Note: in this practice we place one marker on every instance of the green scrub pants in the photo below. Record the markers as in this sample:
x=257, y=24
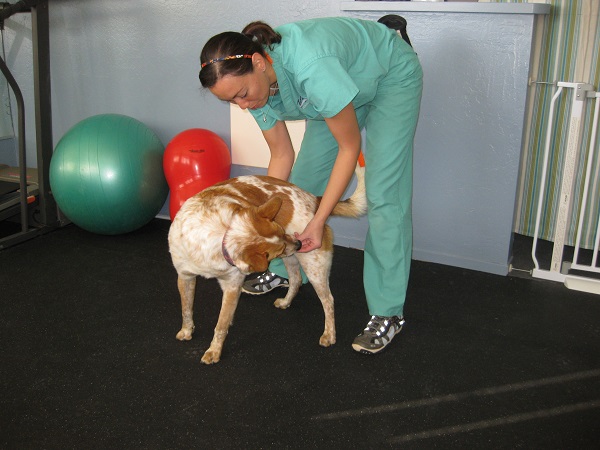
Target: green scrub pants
x=390, y=120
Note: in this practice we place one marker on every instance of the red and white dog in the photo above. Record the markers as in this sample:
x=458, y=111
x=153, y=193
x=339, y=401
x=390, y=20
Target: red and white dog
x=235, y=228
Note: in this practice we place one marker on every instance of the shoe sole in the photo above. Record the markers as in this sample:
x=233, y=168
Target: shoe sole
x=364, y=351
x=266, y=292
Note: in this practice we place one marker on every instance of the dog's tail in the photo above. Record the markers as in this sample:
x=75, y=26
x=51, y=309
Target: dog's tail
x=356, y=204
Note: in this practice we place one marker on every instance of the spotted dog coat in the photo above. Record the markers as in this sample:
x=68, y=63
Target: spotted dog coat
x=235, y=228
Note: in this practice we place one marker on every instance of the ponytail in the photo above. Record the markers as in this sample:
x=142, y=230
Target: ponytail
x=262, y=34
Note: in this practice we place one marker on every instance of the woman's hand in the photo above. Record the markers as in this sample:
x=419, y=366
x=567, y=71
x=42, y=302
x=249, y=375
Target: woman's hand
x=311, y=237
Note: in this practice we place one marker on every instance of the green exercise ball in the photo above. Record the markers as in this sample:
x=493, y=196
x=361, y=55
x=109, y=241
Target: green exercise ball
x=106, y=174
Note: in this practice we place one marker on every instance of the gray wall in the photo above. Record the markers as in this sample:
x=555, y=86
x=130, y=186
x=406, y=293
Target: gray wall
x=138, y=58
x=141, y=59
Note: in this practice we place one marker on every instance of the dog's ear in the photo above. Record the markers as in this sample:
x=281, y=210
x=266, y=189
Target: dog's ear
x=270, y=209
x=257, y=262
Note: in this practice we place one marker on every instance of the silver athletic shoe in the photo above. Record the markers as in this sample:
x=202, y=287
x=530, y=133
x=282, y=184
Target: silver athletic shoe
x=263, y=283
x=378, y=333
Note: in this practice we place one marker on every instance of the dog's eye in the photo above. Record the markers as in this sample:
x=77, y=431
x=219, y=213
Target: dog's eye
x=267, y=255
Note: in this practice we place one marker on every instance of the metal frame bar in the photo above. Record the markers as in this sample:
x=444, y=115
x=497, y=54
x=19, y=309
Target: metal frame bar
x=40, y=25
x=593, y=267
x=537, y=272
x=21, y=140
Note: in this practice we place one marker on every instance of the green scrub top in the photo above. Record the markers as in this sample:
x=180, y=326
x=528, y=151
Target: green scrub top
x=324, y=64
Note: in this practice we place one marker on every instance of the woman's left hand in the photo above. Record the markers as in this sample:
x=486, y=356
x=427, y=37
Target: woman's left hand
x=311, y=237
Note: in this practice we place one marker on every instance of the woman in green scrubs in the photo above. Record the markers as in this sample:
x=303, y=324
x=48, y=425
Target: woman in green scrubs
x=342, y=75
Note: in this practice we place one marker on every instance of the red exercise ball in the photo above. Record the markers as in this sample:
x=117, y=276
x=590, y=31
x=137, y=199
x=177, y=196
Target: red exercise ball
x=194, y=160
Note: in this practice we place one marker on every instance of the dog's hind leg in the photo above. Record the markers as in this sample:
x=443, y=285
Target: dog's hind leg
x=295, y=279
x=187, y=290
x=231, y=296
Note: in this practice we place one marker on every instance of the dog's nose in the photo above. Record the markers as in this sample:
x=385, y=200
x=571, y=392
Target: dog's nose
x=298, y=245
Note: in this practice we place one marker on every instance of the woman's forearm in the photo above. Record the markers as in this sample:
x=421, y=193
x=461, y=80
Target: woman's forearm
x=282, y=151
x=344, y=127
x=280, y=166
x=341, y=175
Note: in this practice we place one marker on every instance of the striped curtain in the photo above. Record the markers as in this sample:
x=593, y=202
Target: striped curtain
x=567, y=48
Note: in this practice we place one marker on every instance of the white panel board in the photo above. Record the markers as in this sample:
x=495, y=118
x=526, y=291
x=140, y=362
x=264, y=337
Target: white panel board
x=248, y=147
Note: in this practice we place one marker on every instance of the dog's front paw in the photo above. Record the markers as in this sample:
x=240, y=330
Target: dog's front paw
x=185, y=334
x=326, y=340
x=282, y=303
x=211, y=357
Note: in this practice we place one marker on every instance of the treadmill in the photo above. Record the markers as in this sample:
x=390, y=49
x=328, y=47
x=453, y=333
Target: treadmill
x=25, y=195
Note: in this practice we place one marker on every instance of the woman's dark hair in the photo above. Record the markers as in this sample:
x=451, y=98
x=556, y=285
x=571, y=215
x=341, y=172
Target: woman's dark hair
x=254, y=38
